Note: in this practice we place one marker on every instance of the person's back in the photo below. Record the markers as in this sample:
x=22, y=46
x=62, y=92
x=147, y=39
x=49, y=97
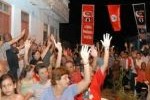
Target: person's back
x=12, y=59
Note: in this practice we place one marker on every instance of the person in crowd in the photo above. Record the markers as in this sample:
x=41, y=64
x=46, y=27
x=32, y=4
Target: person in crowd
x=42, y=71
x=60, y=88
x=39, y=55
x=26, y=82
x=4, y=46
x=20, y=55
x=94, y=90
x=8, y=88
x=141, y=81
x=75, y=75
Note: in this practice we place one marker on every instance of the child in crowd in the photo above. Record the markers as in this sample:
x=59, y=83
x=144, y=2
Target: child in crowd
x=8, y=86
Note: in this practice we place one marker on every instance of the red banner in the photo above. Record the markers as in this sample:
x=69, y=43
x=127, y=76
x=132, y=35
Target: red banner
x=114, y=15
x=87, y=24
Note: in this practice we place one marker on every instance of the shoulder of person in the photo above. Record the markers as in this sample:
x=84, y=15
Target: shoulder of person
x=19, y=97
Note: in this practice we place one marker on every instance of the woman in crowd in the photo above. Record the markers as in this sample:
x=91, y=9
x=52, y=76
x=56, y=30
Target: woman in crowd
x=60, y=89
x=26, y=82
x=8, y=86
x=141, y=80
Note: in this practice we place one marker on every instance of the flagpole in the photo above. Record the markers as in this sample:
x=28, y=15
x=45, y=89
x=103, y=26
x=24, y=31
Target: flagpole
x=138, y=38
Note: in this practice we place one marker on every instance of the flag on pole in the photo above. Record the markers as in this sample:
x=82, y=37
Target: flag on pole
x=140, y=18
x=87, y=24
x=114, y=15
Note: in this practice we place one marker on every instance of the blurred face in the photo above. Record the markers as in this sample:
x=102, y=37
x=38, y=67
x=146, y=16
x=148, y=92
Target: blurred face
x=8, y=87
x=70, y=67
x=138, y=56
x=34, y=47
x=143, y=65
x=30, y=73
x=21, y=42
x=43, y=74
x=64, y=81
x=134, y=54
x=37, y=55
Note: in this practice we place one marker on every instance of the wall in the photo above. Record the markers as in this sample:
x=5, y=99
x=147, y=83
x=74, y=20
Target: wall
x=38, y=15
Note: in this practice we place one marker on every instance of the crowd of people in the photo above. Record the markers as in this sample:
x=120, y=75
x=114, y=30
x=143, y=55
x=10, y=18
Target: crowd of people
x=53, y=71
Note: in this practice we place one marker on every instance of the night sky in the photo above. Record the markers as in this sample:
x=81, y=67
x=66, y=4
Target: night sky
x=71, y=31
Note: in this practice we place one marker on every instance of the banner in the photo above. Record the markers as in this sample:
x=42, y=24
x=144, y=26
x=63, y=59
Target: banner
x=140, y=18
x=87, y=24
x=114, y=15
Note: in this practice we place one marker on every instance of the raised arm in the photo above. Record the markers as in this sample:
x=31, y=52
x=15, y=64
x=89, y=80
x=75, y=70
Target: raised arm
x=27, y=48
x=106, y=44
x=59, y=55
x=17, y=38
x=49, y=43
x=126, y=47
x=84, y=83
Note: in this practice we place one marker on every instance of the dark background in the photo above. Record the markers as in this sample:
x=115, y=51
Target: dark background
x=71, y=32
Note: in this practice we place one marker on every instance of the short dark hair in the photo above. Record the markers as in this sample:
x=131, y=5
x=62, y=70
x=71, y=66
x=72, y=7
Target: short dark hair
x=39, y=66
x=6, y=76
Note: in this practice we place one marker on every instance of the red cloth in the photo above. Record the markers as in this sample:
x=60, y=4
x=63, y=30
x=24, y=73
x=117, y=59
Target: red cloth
x=129, y=63
x=141, y=76
x=114, y=14
x=96, y=84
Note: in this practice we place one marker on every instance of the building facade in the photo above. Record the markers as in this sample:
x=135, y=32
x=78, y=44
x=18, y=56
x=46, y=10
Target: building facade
x=38, y=17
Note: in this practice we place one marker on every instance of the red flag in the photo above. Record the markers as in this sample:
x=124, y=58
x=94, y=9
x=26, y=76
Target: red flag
x=114, y=15
x=87, y=26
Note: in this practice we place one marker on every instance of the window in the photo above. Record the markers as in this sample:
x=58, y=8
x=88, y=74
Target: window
x=24, y=16
x=45, y=32
x=25, y=23
x=4, y=8
x=5, y=18
x=51, y=30
x=1, y=4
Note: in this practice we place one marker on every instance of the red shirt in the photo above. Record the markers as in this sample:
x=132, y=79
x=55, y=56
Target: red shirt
x=141, y=76
x=95, y=86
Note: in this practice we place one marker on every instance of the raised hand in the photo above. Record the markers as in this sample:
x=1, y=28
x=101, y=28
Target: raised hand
x=49, y=42
x=131, y=45
x=52, y=38
x=126, y=45
x=85, y=51
x=106, y=40
x=58, y=46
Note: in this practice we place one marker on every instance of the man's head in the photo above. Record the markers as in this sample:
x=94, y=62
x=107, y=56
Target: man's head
x=42, y=70
x=70, y=66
